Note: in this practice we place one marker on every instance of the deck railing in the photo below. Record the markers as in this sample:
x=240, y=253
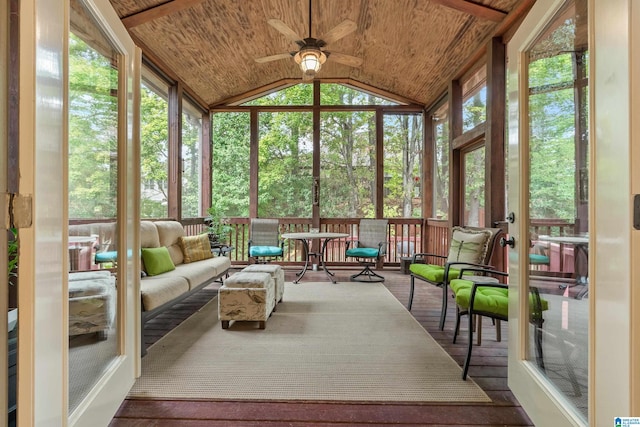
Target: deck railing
x=404, y=235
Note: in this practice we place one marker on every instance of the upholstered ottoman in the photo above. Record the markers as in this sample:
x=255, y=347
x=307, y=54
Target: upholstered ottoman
x=277, y=273
x=246, y=296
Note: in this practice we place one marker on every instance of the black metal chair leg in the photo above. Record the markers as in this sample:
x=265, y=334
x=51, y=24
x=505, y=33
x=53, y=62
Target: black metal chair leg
x=457, y=328
x=443, y=314
x=368, y=275
x=413, y=280
x=467, y=361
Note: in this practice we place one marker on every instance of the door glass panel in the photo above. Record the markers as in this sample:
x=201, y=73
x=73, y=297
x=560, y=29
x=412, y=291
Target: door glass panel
x=154, y=146
x=347, y=164
x=558, y=207
x=93, y=196
x=474, y=187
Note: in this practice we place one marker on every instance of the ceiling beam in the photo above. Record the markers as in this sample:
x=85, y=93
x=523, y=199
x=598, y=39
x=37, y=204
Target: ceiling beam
x=156, y=12
x=475, y=9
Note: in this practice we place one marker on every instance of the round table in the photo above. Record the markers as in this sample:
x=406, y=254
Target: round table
x=305, y=237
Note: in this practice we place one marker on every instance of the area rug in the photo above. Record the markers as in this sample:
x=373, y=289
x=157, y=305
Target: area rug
x=328, y=342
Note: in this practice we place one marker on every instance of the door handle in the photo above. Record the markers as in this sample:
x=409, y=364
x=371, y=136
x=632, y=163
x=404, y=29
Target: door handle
x=508, y=242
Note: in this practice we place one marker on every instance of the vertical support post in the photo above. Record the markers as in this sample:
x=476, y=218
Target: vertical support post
x=253, y=164
x=315, y=205
x=455, y=157
x=206, y=150
x=495, y=140
x=379, y=179
x=175, y=156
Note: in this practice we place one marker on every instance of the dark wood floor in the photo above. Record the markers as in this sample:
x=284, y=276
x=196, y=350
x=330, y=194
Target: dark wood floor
x=488, y=369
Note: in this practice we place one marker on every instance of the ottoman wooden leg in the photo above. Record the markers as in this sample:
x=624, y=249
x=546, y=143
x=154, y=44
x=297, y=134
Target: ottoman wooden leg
x=225, y=324
x=262, y=324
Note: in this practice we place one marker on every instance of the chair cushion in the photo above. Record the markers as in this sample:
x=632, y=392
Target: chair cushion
x=195, y=248
x=265, y=251
x=468, y=245
x=363, y=252
x=157, y=260
x=109, y=256
x=538, y=259
x=488, y=299
x=432, y=273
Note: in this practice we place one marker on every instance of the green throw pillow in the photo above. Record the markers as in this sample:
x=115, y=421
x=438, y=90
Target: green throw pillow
x=157, y=260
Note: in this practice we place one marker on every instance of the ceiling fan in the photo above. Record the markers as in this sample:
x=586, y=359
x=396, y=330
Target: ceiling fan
x=311, y=55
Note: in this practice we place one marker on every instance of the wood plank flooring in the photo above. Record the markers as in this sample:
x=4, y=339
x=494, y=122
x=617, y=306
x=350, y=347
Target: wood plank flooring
x=488, y=369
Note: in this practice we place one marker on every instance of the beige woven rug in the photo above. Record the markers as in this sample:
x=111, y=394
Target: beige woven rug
x=344, y=341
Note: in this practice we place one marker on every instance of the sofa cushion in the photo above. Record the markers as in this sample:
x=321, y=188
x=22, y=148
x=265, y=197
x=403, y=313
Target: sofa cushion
x=170, y=233
x=158, y=290
x=157, y=260
x=195, y=248
x=149, y=237
x=203, y=271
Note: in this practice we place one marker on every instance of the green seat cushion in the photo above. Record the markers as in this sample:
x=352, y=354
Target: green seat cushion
x=538, y=259
x=157, y=260
x=265, y=251
x=363, y=252
x=432, y=273
x=458, y=284
x=488, y=299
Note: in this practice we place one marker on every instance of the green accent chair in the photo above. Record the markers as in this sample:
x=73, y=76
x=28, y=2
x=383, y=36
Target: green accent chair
x=469, y=246
x=370, y=247
x=264, y=240
x=485, y=297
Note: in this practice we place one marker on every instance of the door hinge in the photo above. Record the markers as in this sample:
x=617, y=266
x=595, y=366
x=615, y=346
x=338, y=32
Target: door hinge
x=19, y=211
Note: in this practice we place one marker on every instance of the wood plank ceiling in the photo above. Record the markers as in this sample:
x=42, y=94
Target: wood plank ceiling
x=411, y=48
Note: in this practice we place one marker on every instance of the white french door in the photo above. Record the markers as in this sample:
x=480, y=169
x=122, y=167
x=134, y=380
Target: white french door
x=51, y=32
x=548, y=192
x=573, y=94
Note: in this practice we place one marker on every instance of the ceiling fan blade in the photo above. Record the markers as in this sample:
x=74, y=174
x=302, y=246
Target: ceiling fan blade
x=349, y=60
x=285, y=30
x=273, y=58
x=344, y=28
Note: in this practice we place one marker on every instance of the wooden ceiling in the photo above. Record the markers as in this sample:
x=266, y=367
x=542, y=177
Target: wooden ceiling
x=409, y=48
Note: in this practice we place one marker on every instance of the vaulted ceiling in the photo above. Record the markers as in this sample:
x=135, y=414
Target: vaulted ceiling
x=409, y=48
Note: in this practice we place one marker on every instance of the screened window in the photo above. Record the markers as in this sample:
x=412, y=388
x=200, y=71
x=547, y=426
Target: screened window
x=285, y=164
x=474, y=100
x=474, y=162
x=347, y=164
x=403, y=137
x=230, y=164
x=300, y=94
x=191, y=153
x=337, y=94
x=441, y=170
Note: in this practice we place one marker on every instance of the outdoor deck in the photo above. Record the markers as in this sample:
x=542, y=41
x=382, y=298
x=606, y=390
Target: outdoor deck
x=488, y=369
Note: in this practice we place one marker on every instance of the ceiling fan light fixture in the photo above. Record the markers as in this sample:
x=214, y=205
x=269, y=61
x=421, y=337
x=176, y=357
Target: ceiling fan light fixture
x=310, y=60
